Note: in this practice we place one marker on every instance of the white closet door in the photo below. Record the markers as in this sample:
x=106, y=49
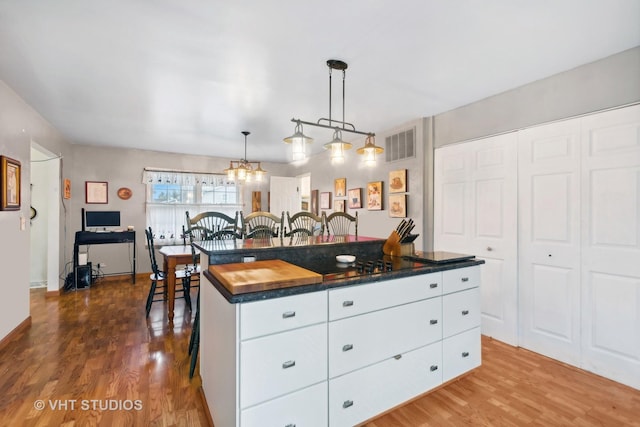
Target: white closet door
x=611, y=244
x=549, y=240
x=475, y=204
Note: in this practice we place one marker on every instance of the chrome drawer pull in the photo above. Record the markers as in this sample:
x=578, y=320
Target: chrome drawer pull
x=465, y=354
x=434, y=368
x=397, y=356
x=433, y=321
x=465, y=312
x=288, y=314
x=433, y=285
x=289, y=364
x=347, y=347
x=465, y=279
x=347, y=303
x=347, y=403
x=290, y=425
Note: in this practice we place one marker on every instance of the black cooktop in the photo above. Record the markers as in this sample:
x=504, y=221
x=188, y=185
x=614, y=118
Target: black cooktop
x=438, y=257
x=333, y=270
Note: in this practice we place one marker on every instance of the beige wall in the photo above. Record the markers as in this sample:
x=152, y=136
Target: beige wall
x=123, y=168
x=19, y=126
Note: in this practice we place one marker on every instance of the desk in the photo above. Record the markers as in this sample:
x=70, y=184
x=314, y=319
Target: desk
x=173, y=256
x=93, y=238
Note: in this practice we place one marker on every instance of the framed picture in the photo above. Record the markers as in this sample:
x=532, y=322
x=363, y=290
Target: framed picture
x=398, y=205
x=325, y=200
x=96, y=192
x=340, y=185
x=67, y=188
x=10, y=181
x=355, y=198
x=338, y=206
x=314, y=202
x=398, y=181
x=256, y=201
x=374, y=196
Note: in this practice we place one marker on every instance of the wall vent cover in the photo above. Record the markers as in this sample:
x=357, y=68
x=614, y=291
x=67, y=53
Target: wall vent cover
x=400, y=146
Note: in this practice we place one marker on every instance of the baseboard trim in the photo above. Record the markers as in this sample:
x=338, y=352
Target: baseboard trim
x=24, y=325
x=206, y=406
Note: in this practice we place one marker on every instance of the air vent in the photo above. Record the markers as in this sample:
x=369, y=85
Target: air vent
x=401, y=145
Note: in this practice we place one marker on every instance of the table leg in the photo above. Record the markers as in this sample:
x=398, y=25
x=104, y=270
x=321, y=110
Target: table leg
x=170, y=269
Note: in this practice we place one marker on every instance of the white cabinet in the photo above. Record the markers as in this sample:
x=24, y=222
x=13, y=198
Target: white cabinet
x=362, y=340
x=390, y=348
x=340, y=356
x=461, y=353
x=277, y=364
x=367, y=392
x=307, y=407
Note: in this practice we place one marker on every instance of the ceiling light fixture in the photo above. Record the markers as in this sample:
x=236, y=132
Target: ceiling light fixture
x=244, y=170
x=337, y=146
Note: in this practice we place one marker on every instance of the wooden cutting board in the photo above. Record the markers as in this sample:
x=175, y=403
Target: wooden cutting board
x=244, y=277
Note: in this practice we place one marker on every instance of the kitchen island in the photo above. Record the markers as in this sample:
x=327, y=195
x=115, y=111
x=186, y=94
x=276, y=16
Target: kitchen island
x=341, y=346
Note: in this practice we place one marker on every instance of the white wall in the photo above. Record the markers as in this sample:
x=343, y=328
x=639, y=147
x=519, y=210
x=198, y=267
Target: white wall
x=19, y=126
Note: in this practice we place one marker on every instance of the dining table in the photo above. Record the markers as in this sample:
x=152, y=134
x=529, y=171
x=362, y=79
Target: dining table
x=173, y=256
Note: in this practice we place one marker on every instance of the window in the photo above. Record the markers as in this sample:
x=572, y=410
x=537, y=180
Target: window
x=172, y=193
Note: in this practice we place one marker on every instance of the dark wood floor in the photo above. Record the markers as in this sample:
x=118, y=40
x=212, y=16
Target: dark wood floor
x=96, y=345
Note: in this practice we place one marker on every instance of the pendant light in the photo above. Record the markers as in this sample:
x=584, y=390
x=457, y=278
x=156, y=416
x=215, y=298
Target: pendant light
x=370, y=151
x=337, y=146
x=244, y=170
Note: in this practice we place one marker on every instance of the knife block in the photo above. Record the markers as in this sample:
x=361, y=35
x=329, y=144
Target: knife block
x=407, y=249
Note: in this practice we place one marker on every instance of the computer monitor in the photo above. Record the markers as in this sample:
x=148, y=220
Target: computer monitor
x=102, y=219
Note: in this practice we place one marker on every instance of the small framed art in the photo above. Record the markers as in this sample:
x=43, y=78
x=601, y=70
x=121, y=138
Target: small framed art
x=340, y=185
x=96, y=192
x=314, y=202
x=10, y=180
x=374, y=196
x=398, y=205
x=398, y=181
x=325, y=200
x=355, y=198
x=338, y=206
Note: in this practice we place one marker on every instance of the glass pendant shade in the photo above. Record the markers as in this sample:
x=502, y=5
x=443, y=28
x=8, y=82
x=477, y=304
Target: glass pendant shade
x=337, y=147
x=244, y=170
x=298, y=143
x=370, y=151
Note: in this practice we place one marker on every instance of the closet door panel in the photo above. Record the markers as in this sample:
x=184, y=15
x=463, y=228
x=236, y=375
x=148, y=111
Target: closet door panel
x=549, y=240
x=475, y=213
x=611, y=244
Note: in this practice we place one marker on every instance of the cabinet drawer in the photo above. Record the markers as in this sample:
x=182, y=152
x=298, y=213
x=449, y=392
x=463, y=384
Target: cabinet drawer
x=360, y=395
x=307, y=407
x=460, y=311
x=460, y=279
x=461, y=353
x=277, y=364
x=362, y=340
x=281, y=314
x=361, y=299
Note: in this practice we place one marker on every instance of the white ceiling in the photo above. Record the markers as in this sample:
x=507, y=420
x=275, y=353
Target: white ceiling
x=189, y=75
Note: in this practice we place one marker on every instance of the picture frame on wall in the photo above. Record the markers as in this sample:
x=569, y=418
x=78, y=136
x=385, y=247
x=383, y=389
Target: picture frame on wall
x=355, y=198
x=10, y=179
x=340, y=185
x=67, y=188
x=374, y=196
x=398, y=181
x=256, y=201
x=338, y=206
x=96, y=192
x=314, y=201
x=325, y=200
x=398, y=205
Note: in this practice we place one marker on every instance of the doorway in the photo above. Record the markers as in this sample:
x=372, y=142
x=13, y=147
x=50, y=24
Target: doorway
x=45, y=219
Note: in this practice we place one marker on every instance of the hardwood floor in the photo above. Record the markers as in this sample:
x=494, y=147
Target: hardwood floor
x=95, y=347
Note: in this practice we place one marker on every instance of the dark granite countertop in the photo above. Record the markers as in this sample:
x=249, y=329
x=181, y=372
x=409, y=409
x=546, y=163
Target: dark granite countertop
x=330, y=281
